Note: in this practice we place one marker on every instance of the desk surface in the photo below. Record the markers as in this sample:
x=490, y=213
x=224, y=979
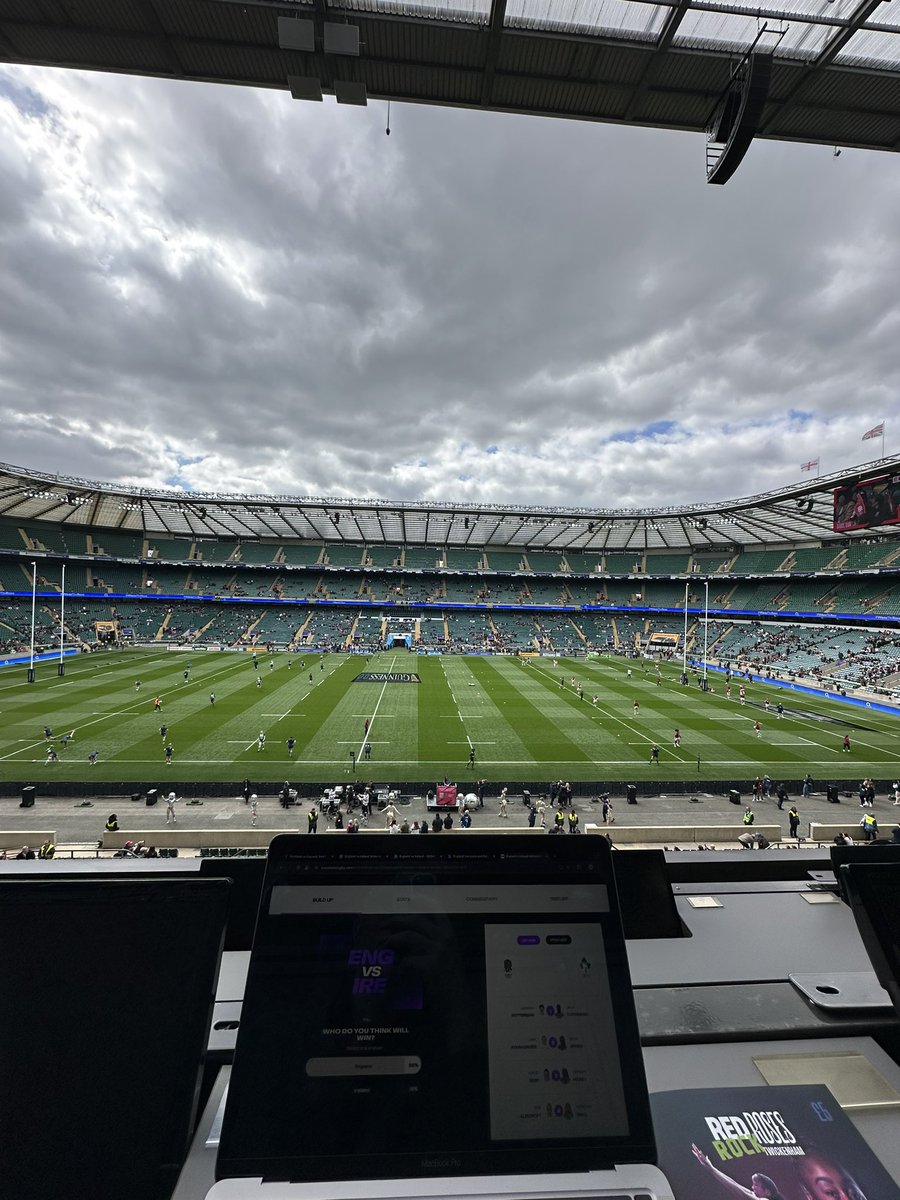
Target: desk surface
x=668, y=1067
x=755, y=936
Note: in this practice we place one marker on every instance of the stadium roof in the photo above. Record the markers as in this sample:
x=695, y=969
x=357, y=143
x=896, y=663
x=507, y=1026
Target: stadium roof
x=661, y=63
x=802, y=513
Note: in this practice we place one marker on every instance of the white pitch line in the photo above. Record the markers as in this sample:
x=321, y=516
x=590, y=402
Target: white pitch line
x=371, y=720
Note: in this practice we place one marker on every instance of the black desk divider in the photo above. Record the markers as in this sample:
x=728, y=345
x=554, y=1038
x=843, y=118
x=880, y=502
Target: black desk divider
x=106, y=994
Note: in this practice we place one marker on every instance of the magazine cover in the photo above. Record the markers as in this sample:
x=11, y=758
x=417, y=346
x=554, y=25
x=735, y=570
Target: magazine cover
x=764, y=1143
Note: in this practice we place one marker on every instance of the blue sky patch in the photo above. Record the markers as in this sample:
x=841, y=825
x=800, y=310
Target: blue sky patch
x=29, y=102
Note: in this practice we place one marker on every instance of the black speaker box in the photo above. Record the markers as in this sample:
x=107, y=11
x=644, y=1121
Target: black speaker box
x=28, y=795
x=630, y=793
x=833, y=794
x=151, y=797
x=734, y=796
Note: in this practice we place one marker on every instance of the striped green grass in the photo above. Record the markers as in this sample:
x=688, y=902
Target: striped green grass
x=524, y=719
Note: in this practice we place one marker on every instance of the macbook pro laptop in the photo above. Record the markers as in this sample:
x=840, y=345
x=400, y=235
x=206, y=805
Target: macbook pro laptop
x=437, y=1016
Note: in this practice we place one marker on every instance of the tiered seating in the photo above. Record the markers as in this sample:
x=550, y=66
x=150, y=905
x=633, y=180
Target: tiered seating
x=503, y=591
x=143, y=620
x=298, y=584
x=80, y=618
x=368, y=632
x=629, y=630
x=431, y=631
x=382, y=556
x=470, y=631
x=337, y=555
x=342, y=587
x=587, y=591
x=667, y=594
x=807, y=597
x=860, y=555
x=420, y=589
x=547, y=593
x=230, y=624
x=52, y=538
x=118, y=545
x=665, y=625
x=329, y=628
x=165, y=580
x=624, y=591
x=462, y=591
x=383, y=587
x=558, y=633
x=814, y=558
x=710, y=564
x=462, y=560
x=758, y=562
x=171, y=549
x=185, y=620
x=518, y=632
x=622, y=564
x=503, y=560
x=765, y=596
x=583, y=564
x=301, y=554
x=212, y=582
x=11, y=538
x=218, y=552
x=258, y=553
x=278, y=624
x=543, y=561
x=418, y=559
x=597, y=629
x=886, y=601
x=667, y=564
x=116, y=578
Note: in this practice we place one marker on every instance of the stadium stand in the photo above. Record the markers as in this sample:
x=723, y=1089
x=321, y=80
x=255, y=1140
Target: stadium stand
x=170, y=549
x=543, y=562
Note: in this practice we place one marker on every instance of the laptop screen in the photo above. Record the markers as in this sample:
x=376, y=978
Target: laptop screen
x=436, y=1006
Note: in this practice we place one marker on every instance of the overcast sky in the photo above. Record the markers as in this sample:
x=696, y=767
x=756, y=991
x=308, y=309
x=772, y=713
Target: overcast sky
x=226, y=289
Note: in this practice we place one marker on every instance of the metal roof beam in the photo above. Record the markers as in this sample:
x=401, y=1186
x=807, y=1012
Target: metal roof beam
x=666, y=34
x=498, y=16
x=164, y=41
x=825, y=58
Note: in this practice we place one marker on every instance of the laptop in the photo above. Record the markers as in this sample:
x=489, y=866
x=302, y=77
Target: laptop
x=437, y=1016
x=106, y=997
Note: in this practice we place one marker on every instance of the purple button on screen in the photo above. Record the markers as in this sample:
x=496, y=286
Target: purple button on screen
x=528, y=939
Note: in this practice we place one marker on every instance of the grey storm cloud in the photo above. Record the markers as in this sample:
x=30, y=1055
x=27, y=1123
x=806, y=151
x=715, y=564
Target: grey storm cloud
x=228, y=290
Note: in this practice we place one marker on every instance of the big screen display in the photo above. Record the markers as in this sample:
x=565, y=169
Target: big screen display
x=871, y=502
